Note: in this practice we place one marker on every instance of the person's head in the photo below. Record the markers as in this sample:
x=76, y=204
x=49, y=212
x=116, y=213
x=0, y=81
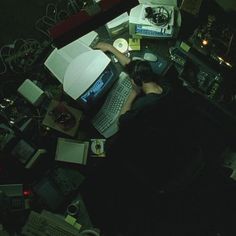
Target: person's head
x=141, y=72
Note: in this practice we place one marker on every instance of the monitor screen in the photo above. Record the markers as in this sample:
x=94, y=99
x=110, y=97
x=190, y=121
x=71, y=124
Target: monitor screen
x=99, y=87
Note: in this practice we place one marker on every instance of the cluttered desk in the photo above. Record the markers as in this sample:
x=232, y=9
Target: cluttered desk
x=95, y=88
x=137, y=35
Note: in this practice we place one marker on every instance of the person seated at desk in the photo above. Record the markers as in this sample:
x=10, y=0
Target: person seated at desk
x=147, y=87
x=153, y=125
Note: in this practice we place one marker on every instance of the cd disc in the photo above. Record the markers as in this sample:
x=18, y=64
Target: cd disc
x=121, y=45
x=97, y=146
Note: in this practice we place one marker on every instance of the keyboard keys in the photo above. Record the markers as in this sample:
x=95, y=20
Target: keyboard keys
x=109, y=112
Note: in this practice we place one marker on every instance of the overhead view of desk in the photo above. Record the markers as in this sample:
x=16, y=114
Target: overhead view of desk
x=90, y=145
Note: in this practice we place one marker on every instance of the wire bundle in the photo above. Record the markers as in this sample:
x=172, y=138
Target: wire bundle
x=19, y=56
x=22, y=53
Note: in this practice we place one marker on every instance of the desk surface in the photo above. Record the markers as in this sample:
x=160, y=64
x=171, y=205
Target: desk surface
x=156, y=46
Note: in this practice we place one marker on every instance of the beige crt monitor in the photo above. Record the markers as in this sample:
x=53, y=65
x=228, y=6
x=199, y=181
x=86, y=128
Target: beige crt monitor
x=83, y=71
x=59, y=59
x=77, y=66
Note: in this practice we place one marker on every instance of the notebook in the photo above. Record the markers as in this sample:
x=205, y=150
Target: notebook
x=73, y=151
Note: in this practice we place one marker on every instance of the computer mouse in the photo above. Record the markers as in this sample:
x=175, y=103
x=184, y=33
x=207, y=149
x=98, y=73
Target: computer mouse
x=149, y=56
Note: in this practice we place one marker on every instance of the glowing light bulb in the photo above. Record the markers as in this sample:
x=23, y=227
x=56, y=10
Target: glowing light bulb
x=27, y=193
x=228, y=64
x=204, y=42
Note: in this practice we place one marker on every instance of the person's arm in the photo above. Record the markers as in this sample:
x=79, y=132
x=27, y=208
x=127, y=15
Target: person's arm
x=133, y=94
x=106, y=47
x=128, y=104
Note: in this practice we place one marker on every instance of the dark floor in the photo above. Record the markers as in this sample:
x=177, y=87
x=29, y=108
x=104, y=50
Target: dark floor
x=124, y=199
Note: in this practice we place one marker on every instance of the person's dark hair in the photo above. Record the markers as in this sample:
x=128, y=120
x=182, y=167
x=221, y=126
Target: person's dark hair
x=141, y=72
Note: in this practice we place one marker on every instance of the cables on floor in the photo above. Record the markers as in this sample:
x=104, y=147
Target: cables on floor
x=20, y=55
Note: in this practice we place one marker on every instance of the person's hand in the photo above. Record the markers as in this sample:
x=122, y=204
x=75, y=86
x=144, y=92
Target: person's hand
x=105, y=47
x=128, y=104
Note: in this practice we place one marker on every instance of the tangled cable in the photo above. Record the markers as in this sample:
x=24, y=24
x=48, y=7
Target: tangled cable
x=20, y=55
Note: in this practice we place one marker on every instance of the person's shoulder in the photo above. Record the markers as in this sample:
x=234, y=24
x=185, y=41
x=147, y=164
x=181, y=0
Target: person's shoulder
x=166, y=87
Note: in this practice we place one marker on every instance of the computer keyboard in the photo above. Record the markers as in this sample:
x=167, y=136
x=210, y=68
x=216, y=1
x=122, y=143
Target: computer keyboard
x=47, y=223
x=106, y=120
